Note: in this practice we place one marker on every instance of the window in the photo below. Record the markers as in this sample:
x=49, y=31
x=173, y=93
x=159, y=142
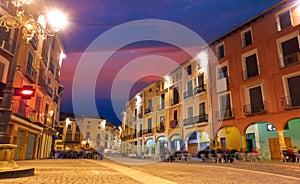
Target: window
x=2, y=66
x=189, y=91
x=189, y=70
x=150, y=90
x=98, y=136
x=223, y=73
x=162, y=101
x=51, y=67
x=225, y=106
x=256, y=100
x=106, y=136
x=246, y=38
x=190, y=112
x=202, y=109
x=150, y=104
x=175, y=96
x=88, y=126
x=293, y=86
x=4, y=39
x=250, y=64
x=284, y=20
x=220, y=51
x=290, y=51
x=149, y=125
x=29, y=69
x=175, y=115
x=4, y=35
x=201, y=80
x=162, y=123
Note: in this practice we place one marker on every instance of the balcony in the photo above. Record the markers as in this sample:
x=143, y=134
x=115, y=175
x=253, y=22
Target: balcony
x=160, y=129
x=161, y=107
x=251, y=109
x=225, y=114
x=173, y=124
x=148, y=131
x=187, y=94
x=24, y=111
x=30, y=74
x=195, y=120
x=174, y=101
x=251, y=73
x=147, y=110
x=200, y=89
x=140, y=115
x=290, y=102
x=289, y=60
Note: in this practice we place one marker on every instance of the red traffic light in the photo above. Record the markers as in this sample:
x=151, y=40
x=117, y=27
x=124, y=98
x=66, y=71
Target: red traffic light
x=26, y=92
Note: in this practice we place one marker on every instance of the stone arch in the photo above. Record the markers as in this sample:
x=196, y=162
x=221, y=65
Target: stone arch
x=161, y=143
x=291, y=129
x=176, y=142
x=196, y=141
x=228, y=137
x=262, y=136
x=150, y=145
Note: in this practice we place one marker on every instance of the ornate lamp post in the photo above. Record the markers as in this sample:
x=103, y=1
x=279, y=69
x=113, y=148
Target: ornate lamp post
x=27, y=27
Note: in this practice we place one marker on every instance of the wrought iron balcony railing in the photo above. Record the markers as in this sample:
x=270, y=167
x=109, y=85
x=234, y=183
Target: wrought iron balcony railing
x=23, y=110
x=200, y=89
x=289, y=60
x=195, y=120
x=250, y=109
x=291, y=102
x=225, y=114
x=188, y=94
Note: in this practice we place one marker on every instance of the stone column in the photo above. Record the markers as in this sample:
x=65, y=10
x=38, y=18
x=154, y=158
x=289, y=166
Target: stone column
x=244, y=144
x=281, y=140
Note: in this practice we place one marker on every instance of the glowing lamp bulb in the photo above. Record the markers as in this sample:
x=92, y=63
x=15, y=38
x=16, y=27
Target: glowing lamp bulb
x=27, y=92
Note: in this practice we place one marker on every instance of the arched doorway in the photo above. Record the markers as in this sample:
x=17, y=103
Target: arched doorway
x=162, y=144
x=176, y=142
x=196, y=141
x=263, y=137
x=228, y=137
x=291, y=133
x=150, y=146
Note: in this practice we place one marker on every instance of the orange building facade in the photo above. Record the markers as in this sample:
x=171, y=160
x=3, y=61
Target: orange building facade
x=255, y=82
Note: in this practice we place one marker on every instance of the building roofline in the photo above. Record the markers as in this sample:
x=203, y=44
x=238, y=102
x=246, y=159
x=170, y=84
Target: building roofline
x=246, y=23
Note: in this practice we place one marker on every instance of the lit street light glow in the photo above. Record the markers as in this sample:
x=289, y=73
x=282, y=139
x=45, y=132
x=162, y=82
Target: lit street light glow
x=57, y=20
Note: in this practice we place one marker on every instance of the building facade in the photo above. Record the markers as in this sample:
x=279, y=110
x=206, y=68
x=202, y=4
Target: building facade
x=242, y=94
x=32, y=121
x=256, y=76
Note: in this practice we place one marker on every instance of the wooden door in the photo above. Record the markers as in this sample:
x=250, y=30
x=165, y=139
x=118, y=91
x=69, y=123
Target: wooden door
x=274, y=148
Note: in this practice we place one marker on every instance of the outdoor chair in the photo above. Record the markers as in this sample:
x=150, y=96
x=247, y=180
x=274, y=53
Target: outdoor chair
x=220, y=158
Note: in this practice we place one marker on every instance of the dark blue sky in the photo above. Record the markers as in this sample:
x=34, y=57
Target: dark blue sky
x=88, y=19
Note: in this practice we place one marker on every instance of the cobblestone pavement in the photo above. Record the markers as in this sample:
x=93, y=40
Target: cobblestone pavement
x=107, y=171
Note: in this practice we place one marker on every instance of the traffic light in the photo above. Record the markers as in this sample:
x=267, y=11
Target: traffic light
x=26, y=92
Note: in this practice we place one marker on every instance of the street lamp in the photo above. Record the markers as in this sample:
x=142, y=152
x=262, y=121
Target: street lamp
x=27, y=27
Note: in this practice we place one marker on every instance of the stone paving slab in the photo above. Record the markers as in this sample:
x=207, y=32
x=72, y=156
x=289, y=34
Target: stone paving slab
x=106, y=171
